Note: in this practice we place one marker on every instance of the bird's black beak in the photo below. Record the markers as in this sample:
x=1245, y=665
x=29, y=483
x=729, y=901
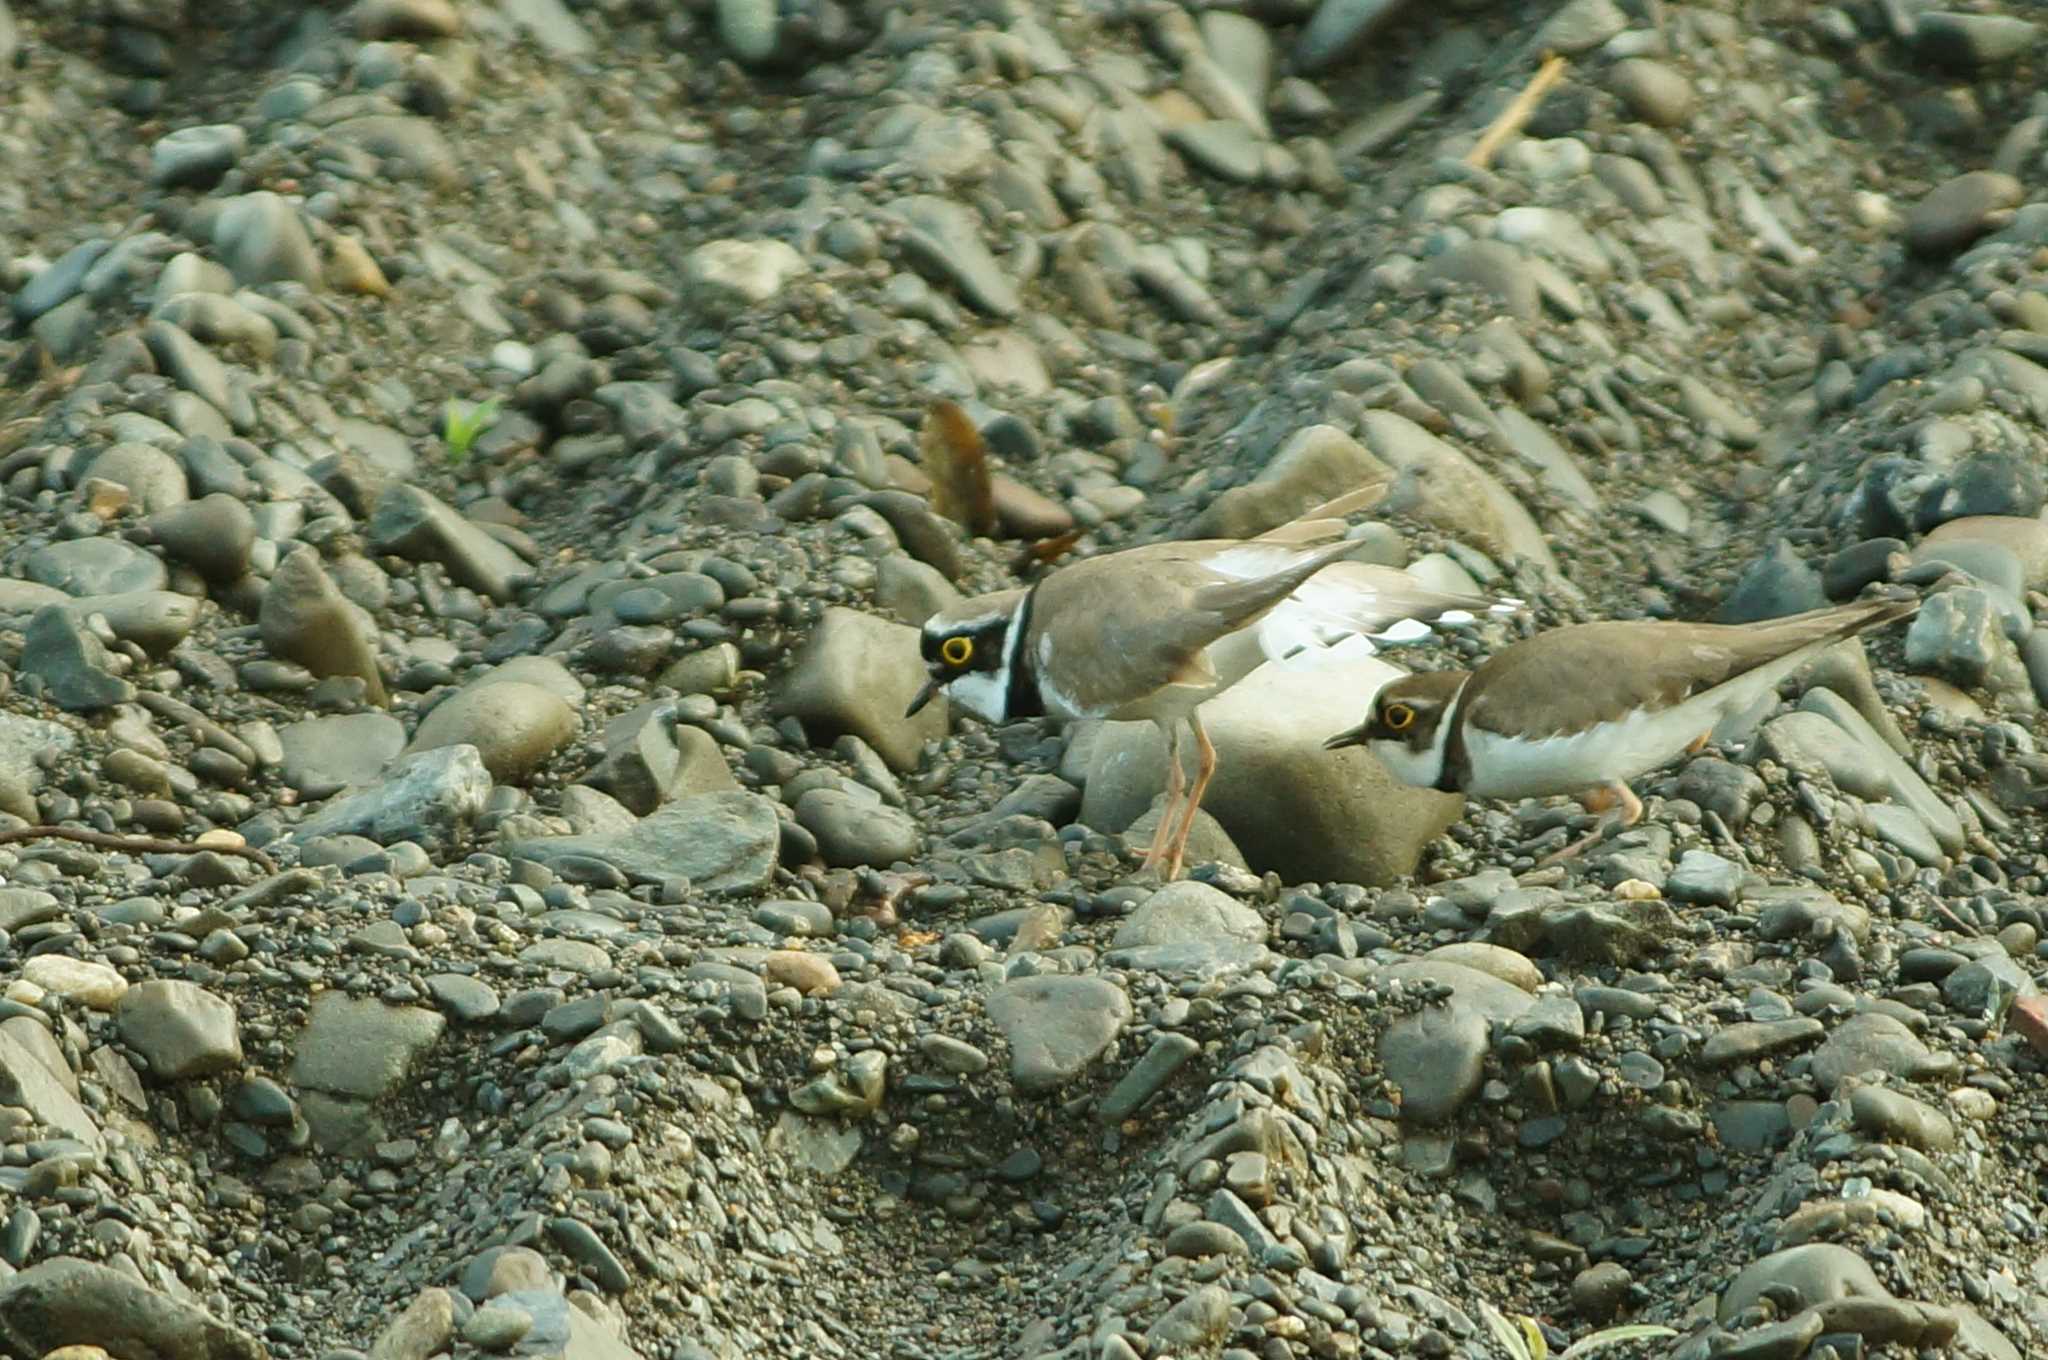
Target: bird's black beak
x=924, y=696
x=1350, y=736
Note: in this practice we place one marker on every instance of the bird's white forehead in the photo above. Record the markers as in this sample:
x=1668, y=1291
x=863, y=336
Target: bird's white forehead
x=973, y=615
x=947, y=623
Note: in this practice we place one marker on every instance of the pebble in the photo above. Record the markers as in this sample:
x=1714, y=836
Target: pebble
x=1958, y=211
x=183, y=1031
x=56, y=1301
x=719, y=842
x=857, y=675
x=305, y=619
x=1056, y=1026
x=513, y=727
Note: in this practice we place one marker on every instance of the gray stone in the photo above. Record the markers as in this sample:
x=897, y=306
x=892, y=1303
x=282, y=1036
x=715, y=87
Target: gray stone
x=1493, y=268
x=71, y=666
x=1958, y=211
x=650, y=759
x=1875, y=1042
x=943, y=239
x=1748, y=1040
x=1338, y=29
x=1452, y=491
x=513, y=726
x=25, y=1081
x=467, y=999
x=1958, y=636
x=1813, y=1274
x=424, y=1329
x=54, y=286
x=1906, y=785
x=196, y=156
x=1809, y=744
x=261, y=240
x=304, y=618
x=1315, y=464
x=1704, y=877
x=411, y=523
x=214, y=534
x=429, y=793
x=406, y=147
x=1436, y=1056
x=154, y=479
x=1969, y=42
x=71, y=1302
x=1897, y=1117
x=1198, y=1320
x=1190, y=927
x=1654, y=92
x=722, y=279
x=361, y=1048
x=1056, y=1026
x=182, y=1030
x=857, y=675
x=193, y=367
x=96, y=566
x=1226, y=147
x=720, y=842
x=1147, y=1077
x=854, y=831
x=1985, y=988
x=216, y=320
x=325, y=755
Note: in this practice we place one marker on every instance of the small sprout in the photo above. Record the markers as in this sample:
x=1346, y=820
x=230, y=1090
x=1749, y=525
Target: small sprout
x=462, y=423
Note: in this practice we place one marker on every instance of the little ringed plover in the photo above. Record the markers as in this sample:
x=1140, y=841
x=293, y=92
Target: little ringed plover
x=1583, y=709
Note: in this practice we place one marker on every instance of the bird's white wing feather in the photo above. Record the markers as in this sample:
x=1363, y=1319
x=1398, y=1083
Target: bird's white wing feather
x=1348, y=600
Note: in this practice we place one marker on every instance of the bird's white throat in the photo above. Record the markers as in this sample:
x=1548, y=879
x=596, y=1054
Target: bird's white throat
x=1420, y=768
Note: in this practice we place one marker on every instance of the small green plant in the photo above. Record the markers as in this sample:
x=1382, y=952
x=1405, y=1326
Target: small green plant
x=461, y=423
x=1523, y=1340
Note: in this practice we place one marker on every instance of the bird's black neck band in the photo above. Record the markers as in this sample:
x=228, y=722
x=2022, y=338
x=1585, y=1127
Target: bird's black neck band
x=1022, y=699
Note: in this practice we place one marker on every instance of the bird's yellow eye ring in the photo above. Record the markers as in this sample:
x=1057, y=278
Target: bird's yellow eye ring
x=957, y=650
x=1398, y=717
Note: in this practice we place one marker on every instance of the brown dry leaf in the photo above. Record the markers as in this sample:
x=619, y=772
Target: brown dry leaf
x=953, y=455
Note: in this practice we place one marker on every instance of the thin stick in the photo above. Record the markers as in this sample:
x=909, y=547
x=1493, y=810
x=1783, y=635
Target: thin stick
x=1518, y=112
x=134, y=845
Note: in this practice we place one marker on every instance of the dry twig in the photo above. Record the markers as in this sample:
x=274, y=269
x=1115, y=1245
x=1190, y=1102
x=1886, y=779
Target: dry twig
x=1518, y=112
x=134, y=845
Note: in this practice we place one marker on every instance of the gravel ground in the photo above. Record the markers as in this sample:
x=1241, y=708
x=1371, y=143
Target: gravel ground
x=462, y=532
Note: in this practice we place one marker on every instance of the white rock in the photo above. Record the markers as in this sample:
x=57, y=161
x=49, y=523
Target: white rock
x=94, y=984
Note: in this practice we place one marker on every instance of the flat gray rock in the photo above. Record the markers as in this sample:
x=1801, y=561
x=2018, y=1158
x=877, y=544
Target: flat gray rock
x=360, y=1047
x=1436, y=1056
x=67, y=1301
x=412, y=523
x=1875, y=1042
x=26, y=1082
x=432, y=792
x=183, y=1030
x=325, y=755
x=1190, y=927
x=721, y=842
x=856, y=675
x=1056, y=1026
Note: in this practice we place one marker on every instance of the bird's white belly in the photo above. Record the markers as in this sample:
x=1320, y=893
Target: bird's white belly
x=1508, y=767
